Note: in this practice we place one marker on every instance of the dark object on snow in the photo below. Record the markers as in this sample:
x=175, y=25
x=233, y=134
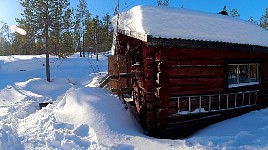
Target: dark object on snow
x=41, y=105
x=224, y=11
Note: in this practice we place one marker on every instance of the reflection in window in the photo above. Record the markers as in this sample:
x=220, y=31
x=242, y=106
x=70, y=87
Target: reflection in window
x=253, y=72
x=243, y=74
x=232, y=76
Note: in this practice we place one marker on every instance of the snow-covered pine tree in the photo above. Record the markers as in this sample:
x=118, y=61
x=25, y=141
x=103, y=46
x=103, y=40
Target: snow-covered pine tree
x=264, y=20
x=234, y=13
x=251, y=19
x=164, y=3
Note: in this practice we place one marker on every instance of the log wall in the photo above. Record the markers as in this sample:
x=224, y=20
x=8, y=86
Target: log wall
x=186, y=72
x=171, y=72
x=199, y=68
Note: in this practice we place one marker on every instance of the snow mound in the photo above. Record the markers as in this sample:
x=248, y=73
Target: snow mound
x=83, y=117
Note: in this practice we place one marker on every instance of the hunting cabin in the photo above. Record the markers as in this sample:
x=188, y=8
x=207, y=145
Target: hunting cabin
x=188, y=69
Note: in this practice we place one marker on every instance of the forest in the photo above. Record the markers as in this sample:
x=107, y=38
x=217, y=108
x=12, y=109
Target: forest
x=54, y=26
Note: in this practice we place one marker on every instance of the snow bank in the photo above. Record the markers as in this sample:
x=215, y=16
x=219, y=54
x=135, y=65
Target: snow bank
x=86, y=117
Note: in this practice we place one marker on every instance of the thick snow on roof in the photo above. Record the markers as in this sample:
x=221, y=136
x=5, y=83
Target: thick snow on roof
x=180, y=23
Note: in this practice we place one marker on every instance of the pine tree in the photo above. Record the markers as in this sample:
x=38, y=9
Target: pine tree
x=264, y=20
x=62, y=16
x=67, y=42
x=234, y=13
x=107, y=32
x=81, y=18
x=45, y=18
x=94, y=34
x=160, y=3
x=21, y=46
x=5, y=38
x=251, y=19
x=26, y=44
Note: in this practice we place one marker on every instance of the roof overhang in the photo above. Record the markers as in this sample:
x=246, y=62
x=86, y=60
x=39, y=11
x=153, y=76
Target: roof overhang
x=193, y=44
x=136, y=35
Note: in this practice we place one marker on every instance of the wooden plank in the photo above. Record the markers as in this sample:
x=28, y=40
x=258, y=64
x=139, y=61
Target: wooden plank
x=193, y=87
x=138, y=74
x=182, y=53
x=148, y=51
x=121, y=75
x=149, y=62
x=265, y=86
x=116, y=64
x=149, y=84
x=196, y=92
x=150, y=97
x=203, y=62
x=173, y=82
x=164, y=93
x=191, y=72
x=149, y=72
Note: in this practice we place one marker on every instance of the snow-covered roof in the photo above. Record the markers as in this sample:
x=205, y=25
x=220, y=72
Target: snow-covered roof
x=179, y=23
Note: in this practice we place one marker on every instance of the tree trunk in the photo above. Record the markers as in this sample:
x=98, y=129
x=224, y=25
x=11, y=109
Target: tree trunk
x=83, y=45
x=79, y=47
x=47, y=50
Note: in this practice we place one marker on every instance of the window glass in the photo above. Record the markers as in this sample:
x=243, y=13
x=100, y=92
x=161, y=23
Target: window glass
x=243, y=74
x=253, y=74
x=232, y=77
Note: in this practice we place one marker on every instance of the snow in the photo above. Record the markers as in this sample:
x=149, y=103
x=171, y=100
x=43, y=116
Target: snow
x=83, y=116
x=243, y=84
x=180, y=23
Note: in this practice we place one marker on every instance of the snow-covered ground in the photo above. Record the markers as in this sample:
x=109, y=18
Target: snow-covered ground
x=86, y=117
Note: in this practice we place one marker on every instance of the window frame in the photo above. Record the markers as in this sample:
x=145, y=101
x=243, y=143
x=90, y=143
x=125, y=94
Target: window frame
x=246, y=85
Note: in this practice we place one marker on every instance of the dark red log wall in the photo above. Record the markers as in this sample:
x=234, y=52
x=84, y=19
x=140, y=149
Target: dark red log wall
x=198, y=71
x=166, y=72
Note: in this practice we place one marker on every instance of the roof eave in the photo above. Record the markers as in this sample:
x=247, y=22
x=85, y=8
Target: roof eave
x=137, y=35
x=183, y=43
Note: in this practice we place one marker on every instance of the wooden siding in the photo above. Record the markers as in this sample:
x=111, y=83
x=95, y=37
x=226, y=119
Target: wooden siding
x=166, y=72
x=181, y=69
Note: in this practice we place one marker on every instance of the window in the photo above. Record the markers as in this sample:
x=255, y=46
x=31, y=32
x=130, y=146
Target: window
x=136, y=57
x=243, y=74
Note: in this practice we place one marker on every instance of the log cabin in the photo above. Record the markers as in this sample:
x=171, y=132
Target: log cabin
x=189, y=69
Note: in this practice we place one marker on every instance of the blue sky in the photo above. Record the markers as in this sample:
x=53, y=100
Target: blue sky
x=10, y=9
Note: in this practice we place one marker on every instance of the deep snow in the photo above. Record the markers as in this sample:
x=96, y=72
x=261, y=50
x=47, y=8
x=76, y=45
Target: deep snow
x=86, y=117
x=181, y=23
